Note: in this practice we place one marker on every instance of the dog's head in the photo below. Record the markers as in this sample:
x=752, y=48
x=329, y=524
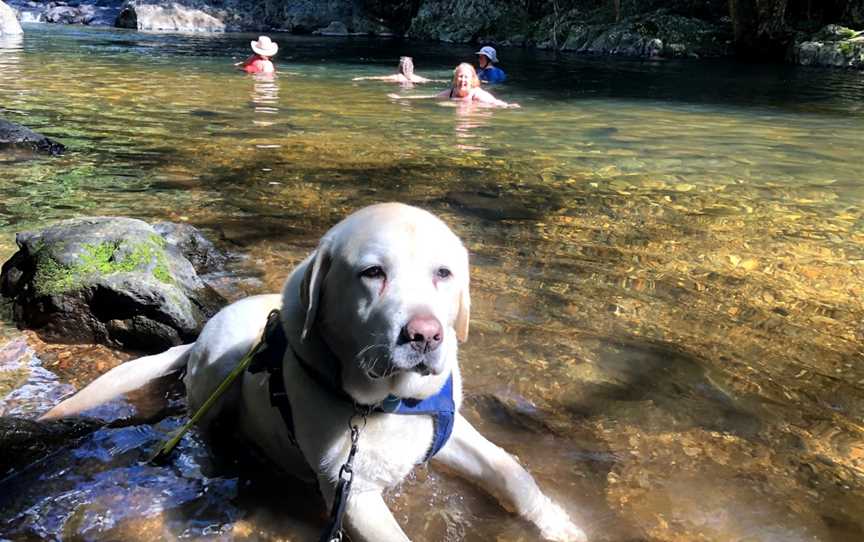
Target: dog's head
x=387, y=291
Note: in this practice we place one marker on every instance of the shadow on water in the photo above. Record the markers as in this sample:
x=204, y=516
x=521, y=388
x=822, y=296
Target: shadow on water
x=637, y=378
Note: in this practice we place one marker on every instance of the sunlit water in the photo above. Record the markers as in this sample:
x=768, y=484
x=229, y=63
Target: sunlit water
x=668, y=273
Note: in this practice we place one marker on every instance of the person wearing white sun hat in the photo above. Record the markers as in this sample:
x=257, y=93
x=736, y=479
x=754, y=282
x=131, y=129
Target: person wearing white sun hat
x=259, y=62
x=487, y=57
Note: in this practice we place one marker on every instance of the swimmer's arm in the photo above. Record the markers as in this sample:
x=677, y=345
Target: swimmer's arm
x=414, y=97
x=246, y=62
x=486, y=98
x=377, y=78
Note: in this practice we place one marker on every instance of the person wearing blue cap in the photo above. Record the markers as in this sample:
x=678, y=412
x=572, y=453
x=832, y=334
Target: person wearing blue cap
x=488, y=72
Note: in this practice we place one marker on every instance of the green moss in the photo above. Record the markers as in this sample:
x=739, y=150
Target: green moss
x=846, y=48
x=846, y=33
x=100, y=260
x=51, y=277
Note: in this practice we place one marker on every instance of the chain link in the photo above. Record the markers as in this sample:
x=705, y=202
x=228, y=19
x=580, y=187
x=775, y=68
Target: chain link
x=346, y=473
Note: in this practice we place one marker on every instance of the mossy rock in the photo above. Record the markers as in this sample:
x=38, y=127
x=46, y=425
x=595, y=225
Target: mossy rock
x=834, y=32
x=109, y=280
x=835, y=46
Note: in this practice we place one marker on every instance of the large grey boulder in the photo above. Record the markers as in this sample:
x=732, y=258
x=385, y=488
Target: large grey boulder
x=171, y=16
x=62, y=14
x=15, y=136
x=834, y=45
x=9, y=24
x=109, y=280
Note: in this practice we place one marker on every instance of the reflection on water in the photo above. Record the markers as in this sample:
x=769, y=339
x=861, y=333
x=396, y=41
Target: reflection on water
x=265, y=97
x=668, y=291
x=470, y=118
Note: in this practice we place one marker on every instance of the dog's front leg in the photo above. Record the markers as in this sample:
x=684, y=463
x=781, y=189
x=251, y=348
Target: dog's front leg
x=367, y=517
x=471, y=455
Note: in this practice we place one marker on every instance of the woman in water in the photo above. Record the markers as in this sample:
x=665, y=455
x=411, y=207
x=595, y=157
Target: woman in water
x=466, y=87
x=405, y=75
x=260, y=62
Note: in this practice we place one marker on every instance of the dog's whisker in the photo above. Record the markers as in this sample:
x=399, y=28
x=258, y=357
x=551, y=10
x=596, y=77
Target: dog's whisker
x=367, y=348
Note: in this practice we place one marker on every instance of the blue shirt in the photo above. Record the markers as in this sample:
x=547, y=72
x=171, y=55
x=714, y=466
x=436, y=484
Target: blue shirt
x=492, y=74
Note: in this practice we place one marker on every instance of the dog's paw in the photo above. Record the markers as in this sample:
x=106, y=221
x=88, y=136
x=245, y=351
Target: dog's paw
x=555, y=524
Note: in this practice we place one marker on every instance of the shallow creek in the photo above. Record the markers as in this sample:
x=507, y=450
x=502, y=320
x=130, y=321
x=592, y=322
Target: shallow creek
x=667, y=289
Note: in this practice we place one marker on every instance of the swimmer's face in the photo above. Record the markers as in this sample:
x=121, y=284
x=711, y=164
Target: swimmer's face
x=482, y=61
x=463, y=82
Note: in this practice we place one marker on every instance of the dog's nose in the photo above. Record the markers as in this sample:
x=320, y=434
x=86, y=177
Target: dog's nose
x=424, y=332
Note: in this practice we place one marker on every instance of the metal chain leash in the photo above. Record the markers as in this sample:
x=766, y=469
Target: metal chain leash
x=333, y=531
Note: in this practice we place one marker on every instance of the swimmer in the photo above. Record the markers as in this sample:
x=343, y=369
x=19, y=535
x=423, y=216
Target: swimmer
x=466, y=87
x=489, y=72
x=405, y=75
x=260, y=62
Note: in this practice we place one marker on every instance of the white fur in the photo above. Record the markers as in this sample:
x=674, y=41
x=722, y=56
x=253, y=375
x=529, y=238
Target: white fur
x=347, y=325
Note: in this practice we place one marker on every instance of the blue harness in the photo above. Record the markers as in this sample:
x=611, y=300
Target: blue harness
x=440, y=406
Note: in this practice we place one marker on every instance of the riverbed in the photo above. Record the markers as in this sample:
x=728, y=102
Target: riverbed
x=667, y=274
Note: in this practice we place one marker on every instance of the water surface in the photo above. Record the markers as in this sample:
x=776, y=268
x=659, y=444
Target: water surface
x=667, y=258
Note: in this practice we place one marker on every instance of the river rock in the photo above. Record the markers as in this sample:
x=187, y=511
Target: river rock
x=65, y=14
x=186, y=16
x=8, y=21
x=24, y=441
x=89, y=12
x=107, y=280
x=15, y=136
x=834, y=45
x=298, y=16
x=201, y=253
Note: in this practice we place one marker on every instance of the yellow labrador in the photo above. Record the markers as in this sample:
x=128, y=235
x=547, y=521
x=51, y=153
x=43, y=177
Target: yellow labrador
x=378, y=310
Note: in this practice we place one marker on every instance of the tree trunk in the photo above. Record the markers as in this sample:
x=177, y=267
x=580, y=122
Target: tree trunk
x=760, y=28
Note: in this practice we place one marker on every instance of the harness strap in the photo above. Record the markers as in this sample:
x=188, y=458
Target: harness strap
x=440, y=407
x=270, y=356
x=279, y=399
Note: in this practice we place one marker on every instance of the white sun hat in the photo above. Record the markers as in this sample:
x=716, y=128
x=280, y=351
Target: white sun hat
x=264, y=46
x=488, y=52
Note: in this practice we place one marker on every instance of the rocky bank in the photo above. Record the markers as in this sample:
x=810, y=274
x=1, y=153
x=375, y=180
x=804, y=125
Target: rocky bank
x=650, y=28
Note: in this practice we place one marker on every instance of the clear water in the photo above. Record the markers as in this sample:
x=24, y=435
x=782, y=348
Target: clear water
x=668, y=272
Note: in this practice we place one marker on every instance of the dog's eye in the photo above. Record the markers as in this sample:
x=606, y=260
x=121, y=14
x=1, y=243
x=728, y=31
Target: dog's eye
x=374, y=272
x=443, y=273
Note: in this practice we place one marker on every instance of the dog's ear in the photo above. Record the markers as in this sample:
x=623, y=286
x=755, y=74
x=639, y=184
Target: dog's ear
x=463, y=314
x=313, y=280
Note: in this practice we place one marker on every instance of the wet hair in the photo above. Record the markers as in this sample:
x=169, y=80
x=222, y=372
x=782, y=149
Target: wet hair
x=406, y=66
x=475, y=81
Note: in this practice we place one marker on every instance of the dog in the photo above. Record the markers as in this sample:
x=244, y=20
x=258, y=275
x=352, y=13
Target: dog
x=377, y=312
